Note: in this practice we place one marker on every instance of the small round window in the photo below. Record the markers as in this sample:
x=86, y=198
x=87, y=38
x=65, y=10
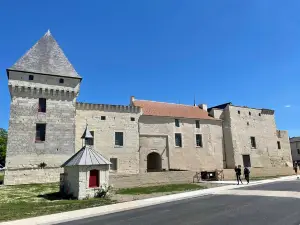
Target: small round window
x=61, y=81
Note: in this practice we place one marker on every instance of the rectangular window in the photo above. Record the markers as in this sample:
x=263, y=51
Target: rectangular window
x=199, y=140
x=253, y=142
x=278, y=145
x=42, y=105
x=91, y=141
x=177, y=123
x=119, y=138
x=132, y=118
x=114, y=164
x=178, y=140
x=103, y=117
x=40, y=132
x=298, y=150
x=197, y=124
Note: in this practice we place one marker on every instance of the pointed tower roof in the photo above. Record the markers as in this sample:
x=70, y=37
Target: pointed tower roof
x=87, y=134
x=87, y=156
x=46, y=57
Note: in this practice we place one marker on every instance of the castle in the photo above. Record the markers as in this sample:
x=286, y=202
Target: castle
x=46, y=123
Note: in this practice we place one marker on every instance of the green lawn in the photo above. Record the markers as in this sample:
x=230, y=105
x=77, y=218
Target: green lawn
x=1, y=178
x=159, y=189
x=24, y=201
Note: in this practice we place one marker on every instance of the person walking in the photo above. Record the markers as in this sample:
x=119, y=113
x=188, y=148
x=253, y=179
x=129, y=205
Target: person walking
x=247, y=174
x=238, y=173
x=296, y=169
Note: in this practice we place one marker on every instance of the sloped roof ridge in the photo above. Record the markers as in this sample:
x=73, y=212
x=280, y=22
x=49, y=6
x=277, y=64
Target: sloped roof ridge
x=164, y=102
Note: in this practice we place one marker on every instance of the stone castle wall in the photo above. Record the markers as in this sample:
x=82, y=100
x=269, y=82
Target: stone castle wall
x=241, y=123
x=117, y=119
x=294, y=149
x=23, y=151
x=187, y=157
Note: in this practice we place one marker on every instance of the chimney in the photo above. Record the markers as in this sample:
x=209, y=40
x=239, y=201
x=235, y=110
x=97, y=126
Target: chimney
x=203, y=106
x=132, y=100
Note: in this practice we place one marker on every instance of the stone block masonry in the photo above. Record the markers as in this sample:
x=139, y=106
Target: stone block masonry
x=158, y=135
x=24, y=150
x=28, y=176
x=104, y=121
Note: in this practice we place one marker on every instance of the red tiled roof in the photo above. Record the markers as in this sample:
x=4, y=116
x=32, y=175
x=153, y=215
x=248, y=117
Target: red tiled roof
x=151, y=108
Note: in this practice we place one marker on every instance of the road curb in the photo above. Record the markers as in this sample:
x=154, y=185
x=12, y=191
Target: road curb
x=108, y=209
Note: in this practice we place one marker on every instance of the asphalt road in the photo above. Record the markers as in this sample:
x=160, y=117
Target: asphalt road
x=214, y=210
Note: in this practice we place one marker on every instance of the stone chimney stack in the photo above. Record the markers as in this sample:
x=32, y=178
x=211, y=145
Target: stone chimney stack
x=203, y=106
x=132, y=100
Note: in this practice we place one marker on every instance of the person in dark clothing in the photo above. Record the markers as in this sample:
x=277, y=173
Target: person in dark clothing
x=247, y=174
x=296, y=168
x=238, y=173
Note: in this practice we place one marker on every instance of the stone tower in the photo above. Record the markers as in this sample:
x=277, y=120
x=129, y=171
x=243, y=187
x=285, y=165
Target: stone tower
x=43, y=86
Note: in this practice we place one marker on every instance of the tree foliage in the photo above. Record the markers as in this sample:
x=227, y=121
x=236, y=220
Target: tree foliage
x=3, y=143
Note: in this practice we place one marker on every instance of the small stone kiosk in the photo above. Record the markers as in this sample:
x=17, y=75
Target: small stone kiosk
x=86, y=172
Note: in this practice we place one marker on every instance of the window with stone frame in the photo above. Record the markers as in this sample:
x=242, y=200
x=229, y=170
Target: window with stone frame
x=253, y=142
x=42, y=105
x=114, y=164
x=119, y=139
x=40, y=135
x=197, y=124
x=31, y=77
x=177, y=124
x=278, y=145
x=178, y=140
x=199, y=140
x=94, y=179
x=61, y=81
x=298, y=151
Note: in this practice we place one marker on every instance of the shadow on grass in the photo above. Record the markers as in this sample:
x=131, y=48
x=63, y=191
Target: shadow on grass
x=56, y=196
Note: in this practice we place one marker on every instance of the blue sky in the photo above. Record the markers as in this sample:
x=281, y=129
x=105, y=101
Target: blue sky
x=246, y=52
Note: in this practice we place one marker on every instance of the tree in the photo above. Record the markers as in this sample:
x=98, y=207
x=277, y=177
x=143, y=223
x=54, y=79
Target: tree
x=3, y=143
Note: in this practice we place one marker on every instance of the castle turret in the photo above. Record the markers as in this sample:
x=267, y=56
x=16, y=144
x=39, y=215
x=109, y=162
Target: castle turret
x=43, y=86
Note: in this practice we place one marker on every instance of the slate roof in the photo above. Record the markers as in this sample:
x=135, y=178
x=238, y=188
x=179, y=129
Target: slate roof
x=222, y=106
x=294, y=139
x=86, y=156
x=46, y=57
x=151, y=108
x=87, y=134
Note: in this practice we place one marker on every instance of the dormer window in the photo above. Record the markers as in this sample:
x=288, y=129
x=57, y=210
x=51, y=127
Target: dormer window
x=31, y=77
x=61, y=81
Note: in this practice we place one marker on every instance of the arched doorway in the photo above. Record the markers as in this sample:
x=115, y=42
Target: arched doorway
x=153, y=162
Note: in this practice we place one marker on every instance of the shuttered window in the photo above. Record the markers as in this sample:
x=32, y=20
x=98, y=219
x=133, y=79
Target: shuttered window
x=114, y=164
x=94, y=178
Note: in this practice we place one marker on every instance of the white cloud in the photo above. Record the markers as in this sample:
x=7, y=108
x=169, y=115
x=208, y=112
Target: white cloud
x=287, y=106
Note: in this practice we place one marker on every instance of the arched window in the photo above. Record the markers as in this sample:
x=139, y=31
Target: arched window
x=94, y=178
